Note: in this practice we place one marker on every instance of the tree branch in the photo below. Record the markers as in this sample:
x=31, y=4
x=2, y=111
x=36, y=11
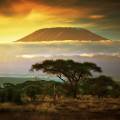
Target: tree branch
x=60, y=77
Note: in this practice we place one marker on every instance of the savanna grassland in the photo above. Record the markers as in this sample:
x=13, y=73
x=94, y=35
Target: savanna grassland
x=79, y=95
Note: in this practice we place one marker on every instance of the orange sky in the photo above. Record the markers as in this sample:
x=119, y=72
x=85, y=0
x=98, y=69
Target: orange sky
x=21, y=17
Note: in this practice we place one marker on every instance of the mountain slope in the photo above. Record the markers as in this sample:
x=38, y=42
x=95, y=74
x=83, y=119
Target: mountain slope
x=61, y=34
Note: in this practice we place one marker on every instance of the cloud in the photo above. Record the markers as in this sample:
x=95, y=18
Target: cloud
x=101, y=14
x=96, y=16
x=82, y=55
x=14, y=7
x=10, y=7
x=72, y=9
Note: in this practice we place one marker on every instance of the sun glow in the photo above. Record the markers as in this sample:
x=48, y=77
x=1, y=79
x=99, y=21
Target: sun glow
x=15, y=28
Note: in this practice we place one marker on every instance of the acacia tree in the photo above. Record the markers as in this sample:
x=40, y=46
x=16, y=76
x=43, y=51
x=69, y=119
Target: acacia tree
x=68, y=71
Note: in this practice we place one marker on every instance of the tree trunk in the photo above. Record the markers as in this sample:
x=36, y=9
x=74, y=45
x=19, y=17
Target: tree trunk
x=75, y=92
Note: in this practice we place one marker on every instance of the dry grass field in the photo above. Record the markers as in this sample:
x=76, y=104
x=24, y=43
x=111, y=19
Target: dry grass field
x=85, y=108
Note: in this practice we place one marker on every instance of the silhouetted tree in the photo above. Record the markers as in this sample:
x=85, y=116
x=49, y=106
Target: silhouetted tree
x=68, y=71
x=101, y=86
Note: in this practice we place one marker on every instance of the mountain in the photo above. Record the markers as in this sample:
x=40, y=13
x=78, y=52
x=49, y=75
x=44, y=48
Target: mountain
x=61, y=34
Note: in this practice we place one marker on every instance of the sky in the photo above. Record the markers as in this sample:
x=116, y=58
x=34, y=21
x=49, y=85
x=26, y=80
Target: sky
x=17, y=61
x=18, y=18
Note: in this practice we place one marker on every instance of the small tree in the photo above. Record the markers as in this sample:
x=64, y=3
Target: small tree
x=68, y=71
x=32, y=91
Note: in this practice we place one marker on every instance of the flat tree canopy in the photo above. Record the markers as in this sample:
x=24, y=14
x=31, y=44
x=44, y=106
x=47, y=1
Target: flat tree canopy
x=68, y=71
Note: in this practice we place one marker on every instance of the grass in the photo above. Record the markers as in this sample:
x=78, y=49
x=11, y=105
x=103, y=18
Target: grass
x=86, y=108
x=64, y=110
x=69, y=104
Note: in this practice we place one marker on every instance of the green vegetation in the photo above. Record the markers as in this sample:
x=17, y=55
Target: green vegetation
x=77, y=80
x=102, y=86
x=70, y=72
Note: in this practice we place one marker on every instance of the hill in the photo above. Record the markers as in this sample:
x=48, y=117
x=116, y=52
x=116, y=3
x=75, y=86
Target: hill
x=61, y=34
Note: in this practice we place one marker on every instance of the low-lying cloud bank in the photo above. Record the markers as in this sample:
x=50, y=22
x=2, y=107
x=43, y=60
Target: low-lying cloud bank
x=87, y=55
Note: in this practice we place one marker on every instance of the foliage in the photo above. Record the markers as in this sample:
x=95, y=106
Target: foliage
x=77, y=80
x=70, y=72
x=10, y=93
x=101, y=86
x=32, y=91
